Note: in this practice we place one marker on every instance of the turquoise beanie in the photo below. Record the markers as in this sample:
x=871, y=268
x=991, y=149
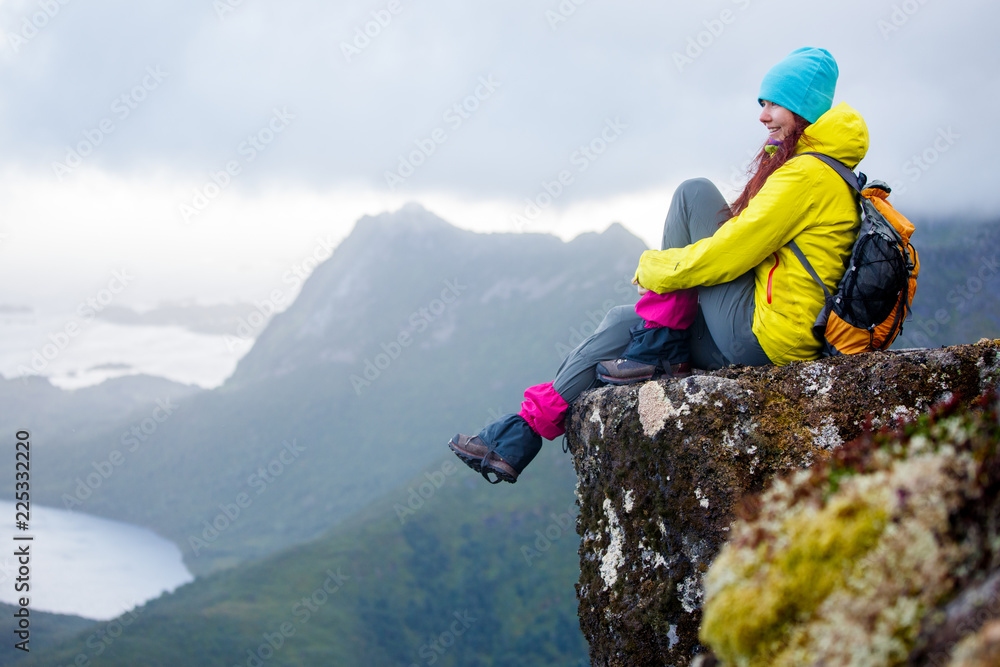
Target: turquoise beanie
x=803, y=83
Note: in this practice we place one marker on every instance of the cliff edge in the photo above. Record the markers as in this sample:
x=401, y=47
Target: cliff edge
x=665, y=467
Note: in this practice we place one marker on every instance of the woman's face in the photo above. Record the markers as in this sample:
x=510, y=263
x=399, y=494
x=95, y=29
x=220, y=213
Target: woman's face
x=778, y=120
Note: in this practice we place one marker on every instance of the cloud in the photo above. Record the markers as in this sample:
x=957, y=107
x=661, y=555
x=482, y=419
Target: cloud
x=394, y=86
x=563, y=67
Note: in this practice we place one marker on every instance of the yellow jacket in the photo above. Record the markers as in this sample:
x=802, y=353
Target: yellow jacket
x=804, y=200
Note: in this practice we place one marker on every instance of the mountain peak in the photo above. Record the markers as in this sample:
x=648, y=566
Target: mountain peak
x=396, y=263
x=409, y=218
x=616, y=234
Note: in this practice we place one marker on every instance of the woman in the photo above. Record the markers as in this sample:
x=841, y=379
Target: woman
x=756, y=302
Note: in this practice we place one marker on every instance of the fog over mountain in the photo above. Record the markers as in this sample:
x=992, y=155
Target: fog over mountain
x=210, y=148
x=412, y=330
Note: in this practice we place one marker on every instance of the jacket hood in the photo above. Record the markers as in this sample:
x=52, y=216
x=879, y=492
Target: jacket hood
x=841, y=133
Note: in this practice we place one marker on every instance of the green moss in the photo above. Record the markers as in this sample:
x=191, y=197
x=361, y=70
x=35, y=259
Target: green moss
x=740, y=428
x=860, y=551
x=747, y=621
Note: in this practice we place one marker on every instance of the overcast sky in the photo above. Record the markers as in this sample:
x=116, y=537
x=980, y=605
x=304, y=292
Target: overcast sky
x=208, y=147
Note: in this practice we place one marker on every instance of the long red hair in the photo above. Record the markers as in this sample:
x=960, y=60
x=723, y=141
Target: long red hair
x=765, y=164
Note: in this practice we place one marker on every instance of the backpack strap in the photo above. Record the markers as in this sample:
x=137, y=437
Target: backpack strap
x=819, y=326
x=809, y=267
x=856, y=181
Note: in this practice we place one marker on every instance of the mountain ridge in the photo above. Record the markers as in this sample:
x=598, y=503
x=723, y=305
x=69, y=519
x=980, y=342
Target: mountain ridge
x=462, y=359
x=354, y=287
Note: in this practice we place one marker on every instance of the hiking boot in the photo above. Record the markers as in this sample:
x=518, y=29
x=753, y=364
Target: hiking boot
x=504, y=448
x=477, y=455
x=624, y=371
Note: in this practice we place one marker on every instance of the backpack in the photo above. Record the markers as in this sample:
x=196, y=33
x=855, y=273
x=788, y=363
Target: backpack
x=874, y=296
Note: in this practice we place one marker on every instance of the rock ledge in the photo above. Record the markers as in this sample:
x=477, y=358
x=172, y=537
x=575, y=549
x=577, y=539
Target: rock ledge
x=664, y=466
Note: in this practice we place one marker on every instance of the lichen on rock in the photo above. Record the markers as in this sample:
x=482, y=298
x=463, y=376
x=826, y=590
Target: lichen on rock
x=841, y=565
x=675, y=460
x=612, y=559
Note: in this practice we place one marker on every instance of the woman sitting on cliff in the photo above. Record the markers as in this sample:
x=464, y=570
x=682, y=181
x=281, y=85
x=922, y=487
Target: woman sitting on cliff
x=726, y=288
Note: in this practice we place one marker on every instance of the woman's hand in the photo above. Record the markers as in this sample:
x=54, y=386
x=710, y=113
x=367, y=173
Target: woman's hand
x=642, y=290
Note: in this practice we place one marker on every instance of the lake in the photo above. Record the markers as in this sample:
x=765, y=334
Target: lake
x=87, y=566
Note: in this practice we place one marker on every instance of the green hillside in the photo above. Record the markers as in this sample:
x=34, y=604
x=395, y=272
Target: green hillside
x=445, y=570
x=47, y=630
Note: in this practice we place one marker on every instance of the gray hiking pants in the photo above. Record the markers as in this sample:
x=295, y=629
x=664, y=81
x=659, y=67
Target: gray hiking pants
x=721, y=334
